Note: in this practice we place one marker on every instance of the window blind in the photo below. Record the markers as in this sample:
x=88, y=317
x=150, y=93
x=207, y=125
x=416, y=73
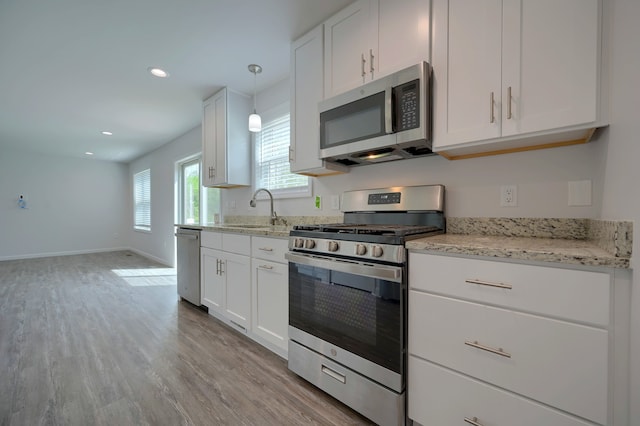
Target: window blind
x=272, y=159
x=142, y=200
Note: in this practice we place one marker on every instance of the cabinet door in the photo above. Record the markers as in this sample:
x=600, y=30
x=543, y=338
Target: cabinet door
x=404, y=34
x=214, y=146
x=270, y=319
x=306, y=91
x=237, y=275
x=350, y=42
x=467, y=67
x=212, y=283
x=549, y=63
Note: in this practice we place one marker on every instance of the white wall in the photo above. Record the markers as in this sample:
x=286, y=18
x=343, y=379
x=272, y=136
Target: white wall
x=74, y=205
x=159, y=244
x=472, y=186
x=621, y=153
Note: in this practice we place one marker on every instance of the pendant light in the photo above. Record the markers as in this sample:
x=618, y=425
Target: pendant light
x=255, y=122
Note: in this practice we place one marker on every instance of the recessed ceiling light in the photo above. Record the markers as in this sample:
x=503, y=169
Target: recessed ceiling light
x=158, y=72
x=107, y=133
x=88, y=153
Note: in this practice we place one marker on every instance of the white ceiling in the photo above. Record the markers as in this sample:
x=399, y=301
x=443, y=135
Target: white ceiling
x=70, y=69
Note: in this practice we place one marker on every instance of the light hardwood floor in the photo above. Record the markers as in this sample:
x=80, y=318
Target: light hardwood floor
x=101, y=339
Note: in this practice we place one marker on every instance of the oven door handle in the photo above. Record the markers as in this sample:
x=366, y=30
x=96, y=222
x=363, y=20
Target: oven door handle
x=384, y=272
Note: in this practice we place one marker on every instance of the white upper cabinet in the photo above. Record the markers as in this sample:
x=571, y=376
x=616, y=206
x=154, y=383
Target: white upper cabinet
x=373, y=38
x=351, y=47
x=515, y=73
x=404, y=34
x=307, y=73
x=225, y=140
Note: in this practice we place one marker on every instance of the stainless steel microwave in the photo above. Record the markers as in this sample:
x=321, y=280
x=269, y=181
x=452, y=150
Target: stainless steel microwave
x=384, y=120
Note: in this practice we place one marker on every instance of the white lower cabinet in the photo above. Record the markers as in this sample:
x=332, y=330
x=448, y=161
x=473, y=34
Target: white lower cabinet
x=484, y=345
x=245, y=283
x=438, y=396
x=226, y=277
x=270, y=292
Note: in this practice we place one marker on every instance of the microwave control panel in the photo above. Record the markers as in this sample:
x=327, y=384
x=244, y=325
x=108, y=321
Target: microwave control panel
x=407, y=106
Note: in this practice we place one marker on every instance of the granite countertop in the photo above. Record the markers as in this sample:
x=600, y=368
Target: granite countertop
x=251, y=229
x=590, y=242
x=567, y=241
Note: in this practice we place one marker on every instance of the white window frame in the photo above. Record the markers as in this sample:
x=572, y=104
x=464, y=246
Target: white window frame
x=297, y=192
x=142, y=180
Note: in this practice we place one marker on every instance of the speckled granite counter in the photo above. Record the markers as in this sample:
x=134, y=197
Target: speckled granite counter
x=569, y=241
x=259, y=225
x=266, y=230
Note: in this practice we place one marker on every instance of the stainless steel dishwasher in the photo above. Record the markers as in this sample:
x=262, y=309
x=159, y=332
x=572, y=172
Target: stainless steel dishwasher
x=188, y=242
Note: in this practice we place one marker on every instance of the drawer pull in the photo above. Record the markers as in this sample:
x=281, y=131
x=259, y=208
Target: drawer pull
x=489, y=283
x=498, y=351
x=334, y=374
x=265, y=267
x=265, y=248
x=474, y=421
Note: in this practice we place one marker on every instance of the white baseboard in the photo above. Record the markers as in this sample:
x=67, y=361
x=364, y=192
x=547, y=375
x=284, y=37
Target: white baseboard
x=61, y=253
x=76, y=252
x=150, y=256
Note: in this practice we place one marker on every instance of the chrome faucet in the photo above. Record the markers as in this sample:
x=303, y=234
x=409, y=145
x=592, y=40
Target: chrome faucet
x=252, y=203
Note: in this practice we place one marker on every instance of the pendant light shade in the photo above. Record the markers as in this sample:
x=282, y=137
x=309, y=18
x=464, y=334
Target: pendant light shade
x=255, y=122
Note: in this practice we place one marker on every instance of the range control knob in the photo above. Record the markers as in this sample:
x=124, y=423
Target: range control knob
x=333, y=246
x=298, y=243
x=361, y=249
x=309, y=244
x=376, y=251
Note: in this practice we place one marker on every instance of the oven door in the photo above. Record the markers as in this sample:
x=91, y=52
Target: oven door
x=355, y=307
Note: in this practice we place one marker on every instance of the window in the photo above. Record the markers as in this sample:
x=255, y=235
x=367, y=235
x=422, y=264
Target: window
x=142, y=200
x=272, y=170
x=196, y=204
x=190, y=192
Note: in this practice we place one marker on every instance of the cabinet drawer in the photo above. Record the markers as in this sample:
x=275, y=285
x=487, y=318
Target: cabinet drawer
x=269, y=248
x=558, y=363
x=236, y=243
x=438, y=396
x=211, y=240
x=564, y=293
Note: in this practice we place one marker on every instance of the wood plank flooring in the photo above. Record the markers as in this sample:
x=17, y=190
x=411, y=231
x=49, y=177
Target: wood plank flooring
x=101, y=339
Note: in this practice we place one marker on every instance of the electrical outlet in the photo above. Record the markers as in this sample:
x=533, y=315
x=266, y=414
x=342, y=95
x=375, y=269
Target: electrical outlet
x=509, y=196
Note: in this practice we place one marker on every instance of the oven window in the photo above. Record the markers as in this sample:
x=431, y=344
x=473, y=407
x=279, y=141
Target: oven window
x=362, y=315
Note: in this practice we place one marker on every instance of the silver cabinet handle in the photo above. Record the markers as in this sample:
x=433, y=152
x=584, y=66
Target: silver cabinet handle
x=371, y=56
x=473, y=421
x=211, y=172
x=509, y=103
x=492, y=116
x=334, y=374
x=217, y=266
x=221, y=265
x=498, y=351
x=489, y=283
x=265, y=248
x=364, y=61
x=265, y=267
x=291, y=156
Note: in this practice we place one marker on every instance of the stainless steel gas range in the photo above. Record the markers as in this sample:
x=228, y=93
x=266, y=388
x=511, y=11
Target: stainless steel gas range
x=348, y=297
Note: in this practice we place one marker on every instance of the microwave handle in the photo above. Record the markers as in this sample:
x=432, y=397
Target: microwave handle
x=388, y=110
